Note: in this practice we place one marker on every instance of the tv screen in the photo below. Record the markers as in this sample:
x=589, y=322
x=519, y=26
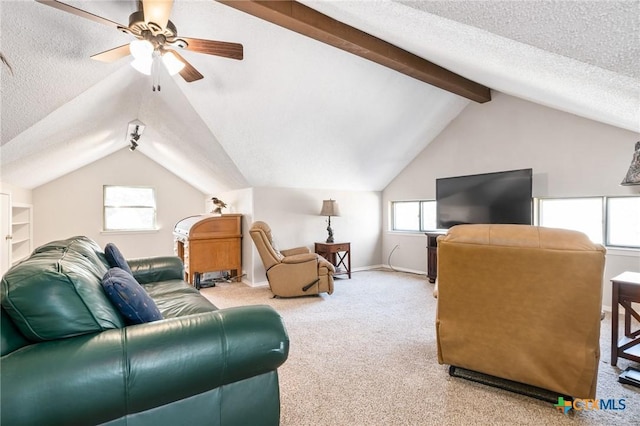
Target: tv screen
x=501, y=197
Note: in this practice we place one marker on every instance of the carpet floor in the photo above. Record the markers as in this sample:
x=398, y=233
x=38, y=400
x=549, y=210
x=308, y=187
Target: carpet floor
x=366, y=355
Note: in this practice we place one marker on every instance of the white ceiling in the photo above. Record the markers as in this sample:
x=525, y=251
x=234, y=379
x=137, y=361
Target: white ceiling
x=296, y=112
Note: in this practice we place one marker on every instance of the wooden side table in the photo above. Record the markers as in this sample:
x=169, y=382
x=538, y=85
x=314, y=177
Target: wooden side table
x=626, y=289
x=432, y=254
x=337, y=254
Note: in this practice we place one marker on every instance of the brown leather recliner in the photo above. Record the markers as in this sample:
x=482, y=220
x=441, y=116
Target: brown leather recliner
x=293, y=272
x=521, y=303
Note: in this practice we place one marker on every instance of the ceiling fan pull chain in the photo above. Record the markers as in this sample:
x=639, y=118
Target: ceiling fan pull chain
x=154, y=74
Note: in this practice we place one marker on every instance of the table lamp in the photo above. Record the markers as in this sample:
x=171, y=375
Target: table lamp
x=329, y=208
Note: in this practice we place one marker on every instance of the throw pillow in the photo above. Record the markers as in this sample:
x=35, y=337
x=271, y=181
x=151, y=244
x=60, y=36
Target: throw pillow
x=115, y=258
x=131, y=299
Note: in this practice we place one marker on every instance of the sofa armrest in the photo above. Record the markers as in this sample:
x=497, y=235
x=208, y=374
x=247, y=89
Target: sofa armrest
x=294, y=251
x=154, y=269
x=300, y=258
x=96, y=378
x=181, y=357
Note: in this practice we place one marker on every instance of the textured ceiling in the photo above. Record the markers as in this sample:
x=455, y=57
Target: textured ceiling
x=296, y=112
x=605, y=34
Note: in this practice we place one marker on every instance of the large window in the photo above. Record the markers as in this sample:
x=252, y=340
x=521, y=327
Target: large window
x=613, y=221
x=623, y=221
x=414, y=216
x=580, y=214
x=129, y=208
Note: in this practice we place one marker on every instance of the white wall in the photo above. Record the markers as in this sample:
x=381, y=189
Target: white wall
x=18, y=194
x=72, y=205
x=570, y=156
x=293, y=215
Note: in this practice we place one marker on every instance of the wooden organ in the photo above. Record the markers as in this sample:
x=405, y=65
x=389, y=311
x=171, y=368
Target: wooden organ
x=209, y=243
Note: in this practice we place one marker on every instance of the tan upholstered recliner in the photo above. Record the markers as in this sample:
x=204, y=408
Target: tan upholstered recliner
x=521, y=303
x=293, y=272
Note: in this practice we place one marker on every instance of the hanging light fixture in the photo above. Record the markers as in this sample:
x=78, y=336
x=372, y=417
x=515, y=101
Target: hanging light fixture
x=633, y=175
x=172, y=63
x=141, y=49
x=142, y=52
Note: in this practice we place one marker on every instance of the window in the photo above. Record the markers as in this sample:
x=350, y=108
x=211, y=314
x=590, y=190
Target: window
x=416, y=216
x=129, y=208
x=619, y=227
x=611, y=221
x=579, y=214
x=623, y=221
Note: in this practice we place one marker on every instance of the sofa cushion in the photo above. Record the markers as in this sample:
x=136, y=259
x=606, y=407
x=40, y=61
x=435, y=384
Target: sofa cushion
x=115, y=258
x=176, y=298
x=131, y=299
x=56, y=292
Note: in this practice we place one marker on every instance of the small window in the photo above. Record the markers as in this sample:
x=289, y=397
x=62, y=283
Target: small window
x=623, y=221
x=129, y=208
x=406, y=216
x=413, y=216
x=579, y=214
x=428, y=215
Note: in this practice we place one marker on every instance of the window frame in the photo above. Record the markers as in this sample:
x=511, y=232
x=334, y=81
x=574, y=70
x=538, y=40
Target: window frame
x=538, y=211
x=154, y=225
x=606, y=223
x=537, y=201
x=392, y=221
x=605, y=216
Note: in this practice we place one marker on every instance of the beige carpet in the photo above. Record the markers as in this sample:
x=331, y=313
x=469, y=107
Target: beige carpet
x=366, y=355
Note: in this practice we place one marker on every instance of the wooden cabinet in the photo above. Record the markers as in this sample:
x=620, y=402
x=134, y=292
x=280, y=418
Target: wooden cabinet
x=432, y=255
x=209, y=243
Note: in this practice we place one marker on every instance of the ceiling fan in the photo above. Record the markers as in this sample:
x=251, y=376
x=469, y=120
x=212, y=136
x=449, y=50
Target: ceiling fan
x=156, y=38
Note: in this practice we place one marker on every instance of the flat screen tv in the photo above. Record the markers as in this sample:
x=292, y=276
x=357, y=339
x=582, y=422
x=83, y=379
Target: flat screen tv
x=500, y=197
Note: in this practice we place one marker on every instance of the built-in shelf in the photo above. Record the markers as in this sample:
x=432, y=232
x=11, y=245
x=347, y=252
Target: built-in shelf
x=21, y=232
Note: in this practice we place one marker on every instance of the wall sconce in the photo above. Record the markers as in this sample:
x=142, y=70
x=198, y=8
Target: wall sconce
x=329, y=208
x=633, y=175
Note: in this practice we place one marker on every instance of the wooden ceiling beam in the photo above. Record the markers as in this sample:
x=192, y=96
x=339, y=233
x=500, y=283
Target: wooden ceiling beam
x=304, y=20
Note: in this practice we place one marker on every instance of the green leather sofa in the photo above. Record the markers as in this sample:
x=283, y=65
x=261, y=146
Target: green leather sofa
x=68, y=358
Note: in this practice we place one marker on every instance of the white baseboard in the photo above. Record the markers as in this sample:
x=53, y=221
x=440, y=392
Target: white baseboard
x=411, y=271
x=258, y=284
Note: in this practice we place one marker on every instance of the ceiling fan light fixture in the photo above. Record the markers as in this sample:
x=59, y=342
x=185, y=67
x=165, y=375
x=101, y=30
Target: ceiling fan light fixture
x=141, y=49
x=172, y=63
x=143, y=65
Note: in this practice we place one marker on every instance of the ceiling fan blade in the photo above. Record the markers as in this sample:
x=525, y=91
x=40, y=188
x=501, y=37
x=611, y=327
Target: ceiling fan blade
x=79, y=12
x=188, y=73
x=218, y=48
x=157, y=11
x=112, y=55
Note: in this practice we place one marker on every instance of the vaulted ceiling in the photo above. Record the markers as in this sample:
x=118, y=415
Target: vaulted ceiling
x=296, y=112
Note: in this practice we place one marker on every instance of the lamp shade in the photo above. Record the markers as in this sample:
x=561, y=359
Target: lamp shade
x=143, y=65
x=141, y=49
x=172, y=63
x=633, y=175
x=330, y=208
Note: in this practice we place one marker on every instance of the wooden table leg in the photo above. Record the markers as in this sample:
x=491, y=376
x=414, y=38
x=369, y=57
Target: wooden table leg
x=614, y=323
